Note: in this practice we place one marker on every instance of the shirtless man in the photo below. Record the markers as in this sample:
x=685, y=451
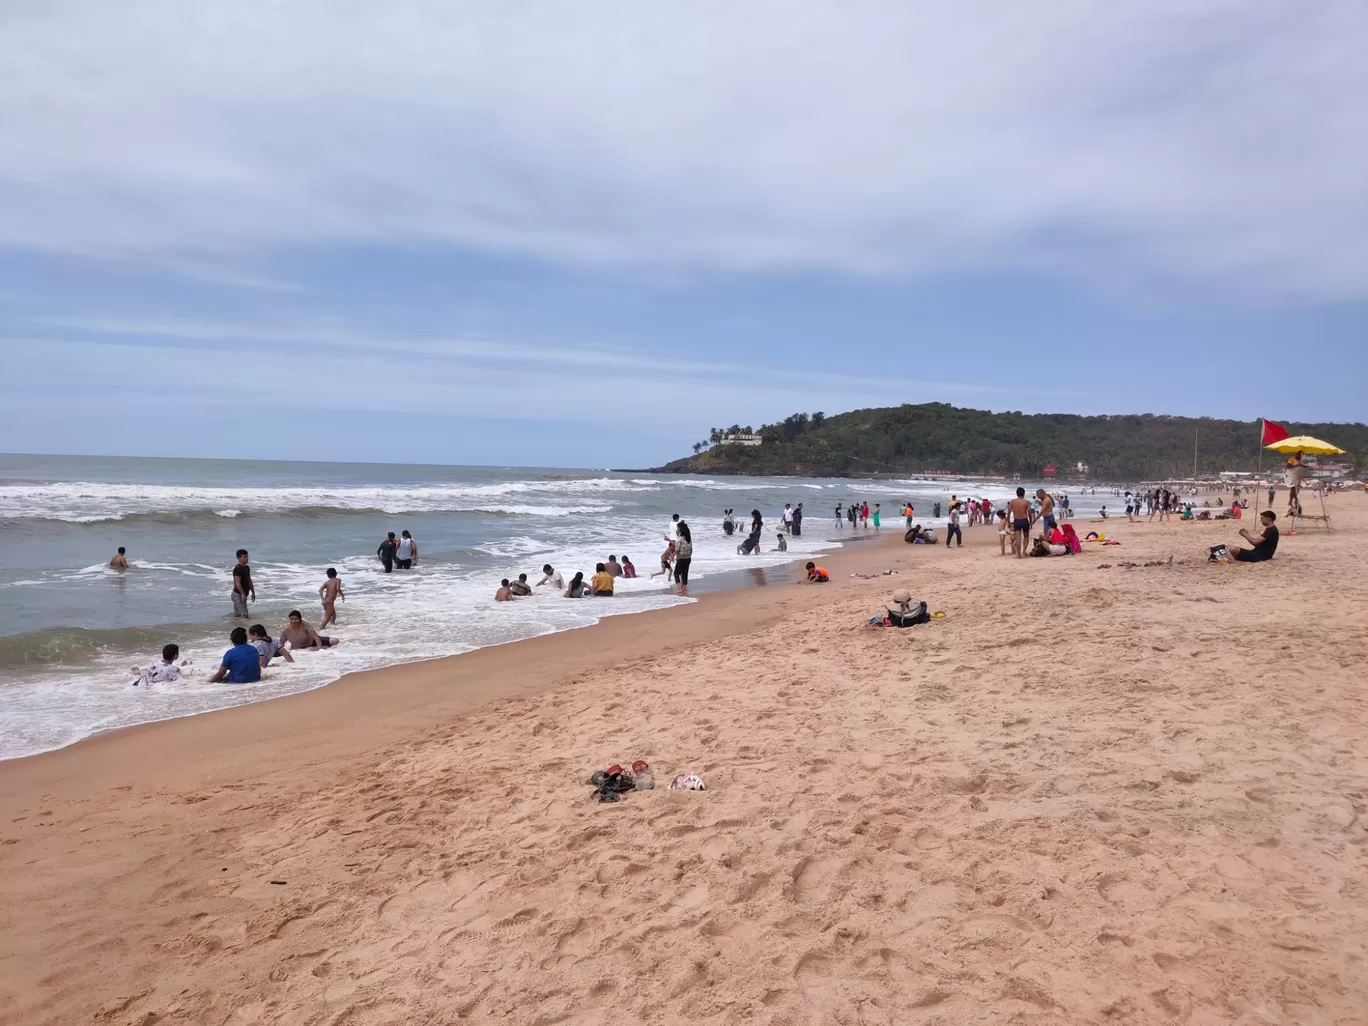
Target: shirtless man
x=1019, y=509
x=505, y=593
x=328, y=594
x=298, y=634
x=1046, y=510
x=119, y=562
x=667, y=559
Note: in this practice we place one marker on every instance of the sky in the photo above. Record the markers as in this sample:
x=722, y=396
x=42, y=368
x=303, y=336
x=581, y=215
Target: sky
x=582, y=234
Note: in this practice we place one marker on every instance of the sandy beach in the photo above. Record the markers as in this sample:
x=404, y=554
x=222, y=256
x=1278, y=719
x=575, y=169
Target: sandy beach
x=1084, y=796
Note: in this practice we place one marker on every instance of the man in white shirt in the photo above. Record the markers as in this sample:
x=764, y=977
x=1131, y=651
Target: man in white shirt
x=552, y=577
x=788, y=518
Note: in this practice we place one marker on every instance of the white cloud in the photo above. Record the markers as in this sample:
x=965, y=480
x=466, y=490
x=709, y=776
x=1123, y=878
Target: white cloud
x=1211, y=140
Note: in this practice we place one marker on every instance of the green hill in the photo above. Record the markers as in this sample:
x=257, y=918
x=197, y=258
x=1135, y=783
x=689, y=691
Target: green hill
x=935, y=437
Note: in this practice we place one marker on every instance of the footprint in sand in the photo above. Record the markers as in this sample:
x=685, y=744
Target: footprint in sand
x=871, y=760
x=692, y=898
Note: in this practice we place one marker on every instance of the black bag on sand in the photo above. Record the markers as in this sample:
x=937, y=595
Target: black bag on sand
x=914, y=614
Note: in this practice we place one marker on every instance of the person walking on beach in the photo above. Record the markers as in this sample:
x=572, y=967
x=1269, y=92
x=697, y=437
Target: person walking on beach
x=876, y=516
x=838, y=516
x=1019, y=509
x=243, y=591
x=552, y=576
x=1130, y=507
x=797, y=531
x=907, y=512
x=328, y=593
x=673, y=531
x=953, y=530
x=241, y=664
x=667, y=560
x=406, y=553
x=119, y=561
x=787, y=518
x=684, y=556
x=386, y=552
x=864, y=515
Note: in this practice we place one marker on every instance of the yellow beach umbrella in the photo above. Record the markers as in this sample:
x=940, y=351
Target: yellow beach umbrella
x=1307, y=444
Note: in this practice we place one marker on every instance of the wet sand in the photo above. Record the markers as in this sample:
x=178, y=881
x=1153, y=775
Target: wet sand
x=1086, y=795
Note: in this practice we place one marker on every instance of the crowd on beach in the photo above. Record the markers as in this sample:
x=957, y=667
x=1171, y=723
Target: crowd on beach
x=253, y=648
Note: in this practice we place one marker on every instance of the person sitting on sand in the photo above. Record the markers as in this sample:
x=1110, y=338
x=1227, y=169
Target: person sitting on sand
x=298, y=634
x=1264, y=545
x=241, y=664
x=167, y=671
x=504, y=594
x=520, y=588
x=816, y=575
x=577, y=587
x=667, y=560
x=783, y=545
x=628, y=568
x=601, y=584
x=267, y=647
x=119, y=561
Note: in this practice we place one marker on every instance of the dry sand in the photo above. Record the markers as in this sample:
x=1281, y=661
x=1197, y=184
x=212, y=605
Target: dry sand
x=1085, y=796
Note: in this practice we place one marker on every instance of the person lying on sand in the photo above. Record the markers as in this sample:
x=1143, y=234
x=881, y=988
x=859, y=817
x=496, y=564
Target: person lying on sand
x=1264, y=544
x=298, y=634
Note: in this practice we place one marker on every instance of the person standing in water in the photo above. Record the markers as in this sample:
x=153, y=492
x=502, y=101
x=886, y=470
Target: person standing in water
x=119, y=562
x=838, y=516
x=684, y=556
x=242, y=586
x=386, y=552
x=328, y=594
x=797, y=531
x=406, y=552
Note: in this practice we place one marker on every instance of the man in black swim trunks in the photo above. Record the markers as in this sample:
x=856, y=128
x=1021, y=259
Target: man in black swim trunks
x=298, y=634
x=1264, y=544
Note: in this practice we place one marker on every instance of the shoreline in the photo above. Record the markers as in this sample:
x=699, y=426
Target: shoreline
x=733, y=578
x=180, y=742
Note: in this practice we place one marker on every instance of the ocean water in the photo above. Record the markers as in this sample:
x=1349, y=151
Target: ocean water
x=71, y=628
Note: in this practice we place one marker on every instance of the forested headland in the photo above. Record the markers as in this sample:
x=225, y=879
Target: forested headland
x=939, y=438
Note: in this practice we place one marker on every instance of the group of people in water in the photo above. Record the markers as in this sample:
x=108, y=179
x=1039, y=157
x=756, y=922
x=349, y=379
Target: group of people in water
x=252, y=647
x=674, y=564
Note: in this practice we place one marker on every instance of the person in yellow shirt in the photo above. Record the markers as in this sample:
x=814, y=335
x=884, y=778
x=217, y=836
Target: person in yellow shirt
x=601, y=584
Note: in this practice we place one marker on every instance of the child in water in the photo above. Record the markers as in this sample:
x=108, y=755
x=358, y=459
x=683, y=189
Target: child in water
x=783, y=545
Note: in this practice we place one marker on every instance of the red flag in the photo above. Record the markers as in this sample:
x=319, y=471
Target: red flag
x=1273, y=432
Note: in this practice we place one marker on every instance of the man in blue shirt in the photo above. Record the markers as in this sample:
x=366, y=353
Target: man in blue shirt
x=241, y=663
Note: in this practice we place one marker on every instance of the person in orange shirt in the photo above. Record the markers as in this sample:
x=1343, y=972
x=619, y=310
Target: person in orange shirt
x=816, y=575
